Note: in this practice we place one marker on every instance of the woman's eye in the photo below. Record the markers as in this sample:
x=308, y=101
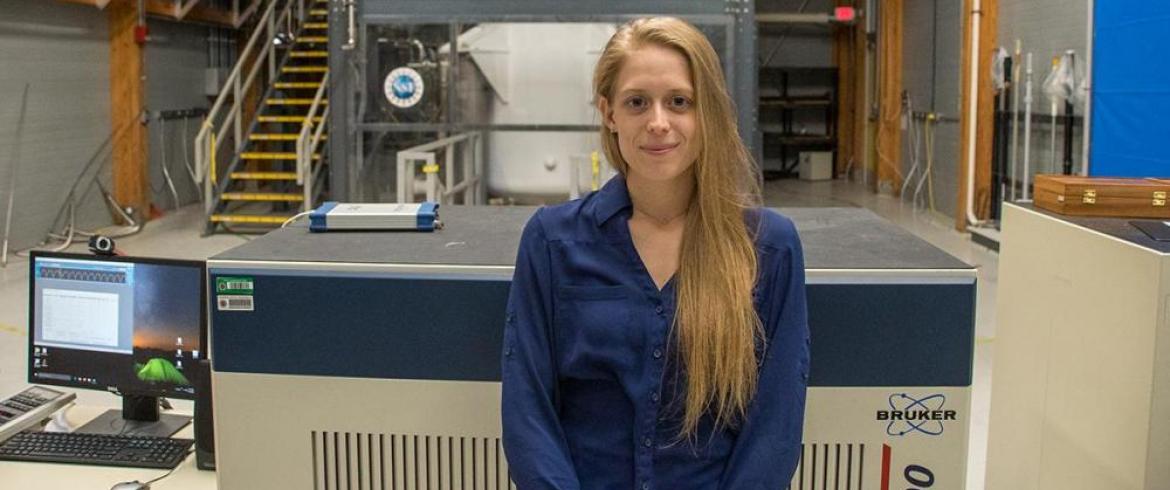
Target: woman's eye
x=636, y=102
x=680, y=102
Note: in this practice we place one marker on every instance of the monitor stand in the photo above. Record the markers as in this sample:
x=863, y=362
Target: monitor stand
x=139, y=416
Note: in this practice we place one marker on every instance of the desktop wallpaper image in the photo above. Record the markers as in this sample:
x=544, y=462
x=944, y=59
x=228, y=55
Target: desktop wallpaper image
x=166, y=323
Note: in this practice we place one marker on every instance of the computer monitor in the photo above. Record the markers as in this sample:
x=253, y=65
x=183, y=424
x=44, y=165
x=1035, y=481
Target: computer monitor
x=133, y=326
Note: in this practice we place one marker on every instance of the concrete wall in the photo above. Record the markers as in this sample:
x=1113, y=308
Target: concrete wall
x=1046, y=28
x=933, y=76
x=61, y=52
x=932, y=79
x=175, y=63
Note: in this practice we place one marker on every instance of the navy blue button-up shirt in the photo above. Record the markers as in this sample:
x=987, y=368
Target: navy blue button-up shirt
x=590, y=385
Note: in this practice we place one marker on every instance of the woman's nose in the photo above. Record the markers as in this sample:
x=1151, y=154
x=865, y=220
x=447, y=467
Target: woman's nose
x=658, y=122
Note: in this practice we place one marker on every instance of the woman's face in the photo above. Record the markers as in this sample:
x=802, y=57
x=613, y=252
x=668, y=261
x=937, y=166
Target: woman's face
x=652, y=111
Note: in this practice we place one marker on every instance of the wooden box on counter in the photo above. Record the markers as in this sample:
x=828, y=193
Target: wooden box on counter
x=1075, y=195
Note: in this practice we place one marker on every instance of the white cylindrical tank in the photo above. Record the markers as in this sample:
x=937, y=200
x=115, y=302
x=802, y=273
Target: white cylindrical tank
x=541, y=73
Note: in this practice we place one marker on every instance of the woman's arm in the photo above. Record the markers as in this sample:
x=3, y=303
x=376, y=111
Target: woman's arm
x=534, y=442
x=768, y=447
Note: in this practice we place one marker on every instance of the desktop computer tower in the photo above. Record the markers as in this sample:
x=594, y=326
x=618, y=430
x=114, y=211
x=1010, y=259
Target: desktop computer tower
x=204, y=426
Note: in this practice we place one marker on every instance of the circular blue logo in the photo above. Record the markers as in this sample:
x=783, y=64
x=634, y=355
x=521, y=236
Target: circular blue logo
x=403, y=87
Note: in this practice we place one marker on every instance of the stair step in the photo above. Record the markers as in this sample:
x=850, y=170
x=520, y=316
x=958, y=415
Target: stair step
x=313, y=39
x=304, y=69
x=294, y=101
x=273, y=155
x=308, y=54
x=286, y=119
x=264, y=175
x=296, y=85
x=316, y=25
x=277, y=136
x=262, y=196
x=319, y=12
x=268, y=219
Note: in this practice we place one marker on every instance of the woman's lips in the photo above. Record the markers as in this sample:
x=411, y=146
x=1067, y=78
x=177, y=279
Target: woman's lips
x=659, y=149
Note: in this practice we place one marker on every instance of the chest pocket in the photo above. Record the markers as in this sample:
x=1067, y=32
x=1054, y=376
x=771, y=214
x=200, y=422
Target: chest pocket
x=595, y=328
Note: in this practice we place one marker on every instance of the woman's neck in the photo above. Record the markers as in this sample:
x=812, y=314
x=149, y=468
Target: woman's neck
x=661, y=201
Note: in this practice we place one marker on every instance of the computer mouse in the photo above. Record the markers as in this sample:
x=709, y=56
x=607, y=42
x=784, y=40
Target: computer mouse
x=131, y=485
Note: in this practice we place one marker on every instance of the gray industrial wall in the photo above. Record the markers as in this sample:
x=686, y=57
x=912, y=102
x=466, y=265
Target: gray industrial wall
x=61, y=52
x=175, y=61
x=933, y=75
x=931, y=52
x=1046, y=28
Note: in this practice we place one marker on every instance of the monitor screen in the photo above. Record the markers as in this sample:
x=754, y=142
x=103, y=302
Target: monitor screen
x=131, y=325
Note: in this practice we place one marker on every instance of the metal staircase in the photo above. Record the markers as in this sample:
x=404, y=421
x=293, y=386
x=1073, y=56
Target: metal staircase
x=275, y=157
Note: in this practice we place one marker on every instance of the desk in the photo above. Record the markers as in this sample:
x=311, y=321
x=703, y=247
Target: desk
x=14, y=475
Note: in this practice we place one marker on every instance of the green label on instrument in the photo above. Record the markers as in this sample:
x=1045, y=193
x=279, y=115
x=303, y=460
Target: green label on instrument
x=233, y=285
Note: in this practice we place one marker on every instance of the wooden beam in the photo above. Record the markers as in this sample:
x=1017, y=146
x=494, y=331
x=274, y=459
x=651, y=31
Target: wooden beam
x=127, y=90
x=985, y=111
x=200, y=13
x=862, y=129
x=889, y=137
x=194, y=11
x=843, y=59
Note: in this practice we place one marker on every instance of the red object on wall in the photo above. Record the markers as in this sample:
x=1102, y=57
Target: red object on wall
x=845, y=14
x=140, y=34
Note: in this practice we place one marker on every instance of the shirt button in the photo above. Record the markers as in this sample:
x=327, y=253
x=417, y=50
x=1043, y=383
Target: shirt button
x=658, y=353
x=647, y=442
x=645, y=486
x=654, y=397
x=658, y=309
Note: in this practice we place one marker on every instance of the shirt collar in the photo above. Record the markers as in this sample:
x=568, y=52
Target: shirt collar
x=612, y=198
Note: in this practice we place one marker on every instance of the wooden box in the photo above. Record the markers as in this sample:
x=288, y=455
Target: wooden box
x=1099, y=196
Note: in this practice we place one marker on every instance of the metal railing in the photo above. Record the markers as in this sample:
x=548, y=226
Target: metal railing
x=469, y=183
x=309, y=142
x=208, y=143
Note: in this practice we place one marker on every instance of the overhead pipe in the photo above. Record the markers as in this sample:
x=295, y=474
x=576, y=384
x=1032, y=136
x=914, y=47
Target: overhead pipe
x=973, y=108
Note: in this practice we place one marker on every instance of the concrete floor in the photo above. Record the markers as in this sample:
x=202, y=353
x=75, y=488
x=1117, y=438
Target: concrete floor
x=177, y=235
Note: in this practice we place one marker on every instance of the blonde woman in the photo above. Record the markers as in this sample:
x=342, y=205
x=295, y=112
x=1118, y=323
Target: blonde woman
x=656, y=331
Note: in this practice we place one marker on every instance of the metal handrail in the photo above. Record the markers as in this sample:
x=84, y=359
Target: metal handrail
x=471, y=182
x=208, y=137
x=308, y=141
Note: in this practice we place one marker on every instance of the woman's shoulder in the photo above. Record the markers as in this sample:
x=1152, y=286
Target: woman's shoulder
x=772, y=229
x=563, y=221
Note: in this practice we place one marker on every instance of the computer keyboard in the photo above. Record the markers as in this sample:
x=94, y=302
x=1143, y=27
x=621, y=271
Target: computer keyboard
x=96, y=449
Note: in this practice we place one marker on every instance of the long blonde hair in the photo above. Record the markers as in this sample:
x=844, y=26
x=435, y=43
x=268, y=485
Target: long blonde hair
x=716, y=326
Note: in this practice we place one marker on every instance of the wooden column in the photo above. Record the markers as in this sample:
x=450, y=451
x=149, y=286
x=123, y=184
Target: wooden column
x=985, y=112
x=862, y=129
x=889, y=136
x=843, y=59
x=127, y=92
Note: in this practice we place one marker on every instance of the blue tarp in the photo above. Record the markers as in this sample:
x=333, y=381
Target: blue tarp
x=1131, y=90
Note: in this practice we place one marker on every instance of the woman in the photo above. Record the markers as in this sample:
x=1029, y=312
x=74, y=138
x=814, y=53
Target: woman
x=656, y=331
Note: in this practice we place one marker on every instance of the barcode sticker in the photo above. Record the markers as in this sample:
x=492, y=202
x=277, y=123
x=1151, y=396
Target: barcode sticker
x=234, y=285
x=235, y=303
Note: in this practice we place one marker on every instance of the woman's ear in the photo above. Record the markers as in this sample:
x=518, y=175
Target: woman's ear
x=606, y=114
